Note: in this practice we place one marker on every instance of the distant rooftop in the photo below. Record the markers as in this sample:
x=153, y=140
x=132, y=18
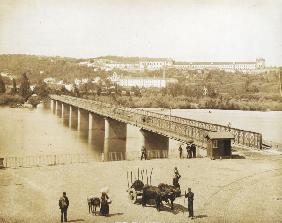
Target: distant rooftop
x=212, y=63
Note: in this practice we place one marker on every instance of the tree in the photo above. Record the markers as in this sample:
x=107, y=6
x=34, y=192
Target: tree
x=2, y=86
x=14, y=89
x=76, y=91
x=24, y=89
x=41, y=89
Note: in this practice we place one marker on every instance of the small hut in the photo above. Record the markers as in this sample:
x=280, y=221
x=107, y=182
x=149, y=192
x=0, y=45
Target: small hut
x=219, y=144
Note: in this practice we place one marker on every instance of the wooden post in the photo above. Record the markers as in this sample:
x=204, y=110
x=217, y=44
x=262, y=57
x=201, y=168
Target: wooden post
x=131, y=176
x=138, y=173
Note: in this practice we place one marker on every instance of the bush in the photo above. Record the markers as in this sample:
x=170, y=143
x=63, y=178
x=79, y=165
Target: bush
x=6, y=99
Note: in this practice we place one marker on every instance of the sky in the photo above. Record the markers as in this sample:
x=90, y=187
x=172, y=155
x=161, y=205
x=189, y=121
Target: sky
x=185, y=30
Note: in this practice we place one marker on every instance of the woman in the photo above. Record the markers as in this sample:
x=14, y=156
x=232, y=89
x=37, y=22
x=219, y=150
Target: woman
x=104, y=210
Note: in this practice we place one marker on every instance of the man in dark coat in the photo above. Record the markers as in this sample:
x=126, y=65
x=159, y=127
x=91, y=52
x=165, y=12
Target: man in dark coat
x=188, y=149
x=175, y=181
x=64, y=204
x=190, y=196
x=180, y=151
x=193, y=150
x=144, y=153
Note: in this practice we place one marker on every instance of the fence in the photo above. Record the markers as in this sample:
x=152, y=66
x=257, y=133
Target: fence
x=63, y=159
x=47, y=160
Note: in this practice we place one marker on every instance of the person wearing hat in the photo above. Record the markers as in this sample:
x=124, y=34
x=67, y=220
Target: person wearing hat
x=180, y=151
x=143, y=153
x=176, y=178
x=190, y=196
x=105, y=201
x=188, y=149
x=64, y=204
x=193, y=150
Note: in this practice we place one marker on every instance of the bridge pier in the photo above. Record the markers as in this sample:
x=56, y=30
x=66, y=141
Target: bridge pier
x=153, y=141
x=96, y=132
x=66, y=113
x=82, y=120
x=115, y=138
x=73, y=117
x=52, y=106
x=59, y=109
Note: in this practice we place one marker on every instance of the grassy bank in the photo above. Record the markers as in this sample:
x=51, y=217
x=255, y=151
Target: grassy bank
x=8, y=99
x=181, y=102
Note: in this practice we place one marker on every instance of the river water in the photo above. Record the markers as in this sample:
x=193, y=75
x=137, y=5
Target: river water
x=38, y=131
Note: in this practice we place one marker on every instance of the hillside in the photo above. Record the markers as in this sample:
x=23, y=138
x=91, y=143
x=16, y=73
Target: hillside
x=40, y=67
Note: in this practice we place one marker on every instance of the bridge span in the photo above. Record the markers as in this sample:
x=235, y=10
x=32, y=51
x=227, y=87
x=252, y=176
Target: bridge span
x=110, y=125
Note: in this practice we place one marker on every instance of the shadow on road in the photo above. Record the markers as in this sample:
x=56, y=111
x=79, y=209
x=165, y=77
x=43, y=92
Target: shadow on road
x=178, y=208
x=76, y=220
x=237, y=156
x=201, y=216
x=115, y=214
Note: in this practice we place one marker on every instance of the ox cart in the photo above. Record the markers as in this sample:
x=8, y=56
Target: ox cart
x=135, y=192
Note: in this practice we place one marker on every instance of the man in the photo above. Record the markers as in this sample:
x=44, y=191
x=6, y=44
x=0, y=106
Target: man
x=193, y=150
x=144, y=153
x=188, y=149
x=180, y=151
x=176, y=178
x=190, y=196
x=64, y=204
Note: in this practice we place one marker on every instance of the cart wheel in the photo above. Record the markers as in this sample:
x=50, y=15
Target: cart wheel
x=132, y=195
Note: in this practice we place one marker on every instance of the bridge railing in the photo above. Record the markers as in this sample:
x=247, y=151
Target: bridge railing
x=182, y=129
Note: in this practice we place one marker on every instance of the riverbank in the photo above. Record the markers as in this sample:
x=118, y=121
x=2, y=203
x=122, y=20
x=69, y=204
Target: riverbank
x=225, y=191
x=181, y=102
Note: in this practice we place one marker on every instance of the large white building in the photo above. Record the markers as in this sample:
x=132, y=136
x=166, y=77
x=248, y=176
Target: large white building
x=164, y=63
x=155, y=64
x=259, y=64
x=141, y=82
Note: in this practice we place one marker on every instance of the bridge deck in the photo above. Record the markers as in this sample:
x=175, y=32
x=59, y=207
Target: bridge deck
x=178, y=128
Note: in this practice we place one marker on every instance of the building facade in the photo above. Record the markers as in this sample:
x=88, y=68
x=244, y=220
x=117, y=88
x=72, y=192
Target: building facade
x=259, y=64
x=164, y=63
x=141, y=82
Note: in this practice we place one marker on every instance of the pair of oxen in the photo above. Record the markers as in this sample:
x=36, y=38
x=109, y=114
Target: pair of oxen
x=163, y=192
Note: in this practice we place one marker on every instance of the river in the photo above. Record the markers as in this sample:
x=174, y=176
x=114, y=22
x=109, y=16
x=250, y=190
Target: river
x=38, y=131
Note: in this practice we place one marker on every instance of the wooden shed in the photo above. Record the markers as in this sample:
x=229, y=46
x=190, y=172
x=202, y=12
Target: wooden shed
x=219, y=144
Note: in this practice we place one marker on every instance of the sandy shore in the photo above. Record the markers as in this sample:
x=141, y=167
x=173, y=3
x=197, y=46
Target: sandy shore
x=237, y=190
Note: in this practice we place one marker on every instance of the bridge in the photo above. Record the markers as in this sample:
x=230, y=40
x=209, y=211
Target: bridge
x=109, y=124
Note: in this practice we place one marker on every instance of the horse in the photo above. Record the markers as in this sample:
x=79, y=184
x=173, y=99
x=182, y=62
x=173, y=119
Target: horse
x=93, y=203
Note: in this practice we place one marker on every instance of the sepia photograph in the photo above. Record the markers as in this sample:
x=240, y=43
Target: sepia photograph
x=141, y=111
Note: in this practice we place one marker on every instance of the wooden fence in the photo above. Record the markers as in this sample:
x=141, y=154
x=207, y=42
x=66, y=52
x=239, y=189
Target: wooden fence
x=64, y=159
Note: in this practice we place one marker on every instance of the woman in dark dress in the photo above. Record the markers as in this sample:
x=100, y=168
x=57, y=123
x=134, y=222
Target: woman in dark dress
x=104, y=210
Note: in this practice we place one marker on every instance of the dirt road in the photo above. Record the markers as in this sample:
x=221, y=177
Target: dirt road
x=242, y=190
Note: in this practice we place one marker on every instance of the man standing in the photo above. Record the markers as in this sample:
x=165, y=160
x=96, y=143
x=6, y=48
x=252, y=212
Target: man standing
x=193, y=149
x=144, y=153
x=180, y=151
x=64, y=204
x=188, y=149
x=190, y=196
x=175, y=181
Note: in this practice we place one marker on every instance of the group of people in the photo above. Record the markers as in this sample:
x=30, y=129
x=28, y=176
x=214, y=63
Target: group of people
x=189, y=195
x=191, y=151
x=64, y=204
x=105, y=200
